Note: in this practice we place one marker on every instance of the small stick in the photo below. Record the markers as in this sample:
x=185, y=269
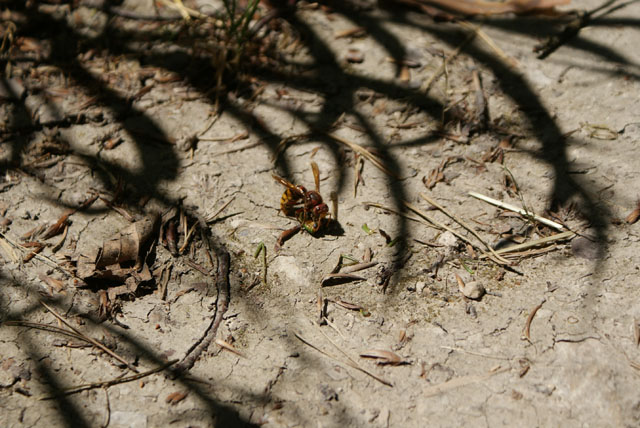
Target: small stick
x=526, y=334
x=108, y=383
x=89, y=339
x=520, y=211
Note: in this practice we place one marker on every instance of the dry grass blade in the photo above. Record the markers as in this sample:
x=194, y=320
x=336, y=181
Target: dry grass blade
x=212, y=217
x=459, y=382
x=108, y=383
x=46, y=327
x=365, y=153
x=40, y=257
x=349, y=362
x=463, y=224
x=89, y=339
x=8, y=250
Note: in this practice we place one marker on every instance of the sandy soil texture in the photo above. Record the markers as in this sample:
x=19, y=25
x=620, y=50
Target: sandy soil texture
x=145, y=279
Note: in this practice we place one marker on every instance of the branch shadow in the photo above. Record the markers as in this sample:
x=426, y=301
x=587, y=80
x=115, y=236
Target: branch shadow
x=67, y=45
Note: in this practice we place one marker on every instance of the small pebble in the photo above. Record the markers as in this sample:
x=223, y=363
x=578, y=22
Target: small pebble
x=472, y=290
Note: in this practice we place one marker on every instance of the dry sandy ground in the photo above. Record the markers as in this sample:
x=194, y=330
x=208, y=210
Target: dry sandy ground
x=553, y=342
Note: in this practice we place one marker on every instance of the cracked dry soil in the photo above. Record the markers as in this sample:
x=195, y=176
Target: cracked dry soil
x=131, y=120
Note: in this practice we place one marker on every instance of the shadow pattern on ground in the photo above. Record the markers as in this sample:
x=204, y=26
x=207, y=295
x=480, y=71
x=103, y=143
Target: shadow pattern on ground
x=67, y=45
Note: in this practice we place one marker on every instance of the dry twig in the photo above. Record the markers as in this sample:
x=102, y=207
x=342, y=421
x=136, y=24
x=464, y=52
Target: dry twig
x=89, y=339
x=349, y=361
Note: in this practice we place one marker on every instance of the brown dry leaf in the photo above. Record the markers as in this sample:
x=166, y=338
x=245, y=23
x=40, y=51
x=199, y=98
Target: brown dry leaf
x=53, y=283
x=175, y=397
x=634, y=216
x=437, y=174
x=126, y=245
x=352, y=32
x=59, y=226
x=33, y=233
x=384, y=357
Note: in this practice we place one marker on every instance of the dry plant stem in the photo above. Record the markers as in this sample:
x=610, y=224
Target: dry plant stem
x=520, y=211
x=46, y=327
x=498, y=260
x=89, y=339
x=365, y=153
x=526, y=333
x=238, y=149
x=463, y=224
x=408, y=217
x=477, y=354
x=545, y=240
x=108, y=383
x=213, y=217
x=349, y=361
x=222, y=304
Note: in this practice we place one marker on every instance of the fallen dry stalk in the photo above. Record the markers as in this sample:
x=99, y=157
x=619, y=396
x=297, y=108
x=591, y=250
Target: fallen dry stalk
x=108, y=383
x=497, y=260
x=89, y=339
x=520, y=211
x=534, y=243
x=458, y=382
